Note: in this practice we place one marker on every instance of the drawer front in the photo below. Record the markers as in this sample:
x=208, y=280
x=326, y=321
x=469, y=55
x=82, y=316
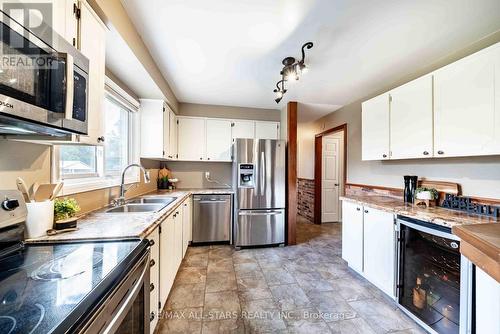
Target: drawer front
x=260, y=227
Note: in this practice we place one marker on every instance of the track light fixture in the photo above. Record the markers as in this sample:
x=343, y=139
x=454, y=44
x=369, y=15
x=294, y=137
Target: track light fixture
x=291, y=72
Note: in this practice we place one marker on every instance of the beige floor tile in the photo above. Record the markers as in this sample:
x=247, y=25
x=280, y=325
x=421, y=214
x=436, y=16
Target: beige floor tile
x=186, y=295
x=221, y=281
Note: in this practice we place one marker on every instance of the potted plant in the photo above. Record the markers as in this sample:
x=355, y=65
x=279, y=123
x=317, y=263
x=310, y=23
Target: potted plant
x=65, y=210
x=427, y=196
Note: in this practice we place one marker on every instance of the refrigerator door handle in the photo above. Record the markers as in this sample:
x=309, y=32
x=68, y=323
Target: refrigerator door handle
x=262, y=173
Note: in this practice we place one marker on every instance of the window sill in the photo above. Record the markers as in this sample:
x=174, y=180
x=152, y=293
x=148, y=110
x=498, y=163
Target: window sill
x=74, y=186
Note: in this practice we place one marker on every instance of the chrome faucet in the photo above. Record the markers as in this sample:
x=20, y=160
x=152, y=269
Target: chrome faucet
x=121, y=200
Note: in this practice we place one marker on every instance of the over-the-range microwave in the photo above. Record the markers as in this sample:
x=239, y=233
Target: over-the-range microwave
x=43, y=82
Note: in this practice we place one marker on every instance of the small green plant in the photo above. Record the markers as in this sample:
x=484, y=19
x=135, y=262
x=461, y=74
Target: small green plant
x=65, y=208
x=434, y=192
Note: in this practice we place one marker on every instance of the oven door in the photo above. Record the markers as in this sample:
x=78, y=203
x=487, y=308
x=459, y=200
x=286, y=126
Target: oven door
x=126, y=310
x=39, y=85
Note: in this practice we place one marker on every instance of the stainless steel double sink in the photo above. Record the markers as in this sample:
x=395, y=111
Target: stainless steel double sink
x=143, y=204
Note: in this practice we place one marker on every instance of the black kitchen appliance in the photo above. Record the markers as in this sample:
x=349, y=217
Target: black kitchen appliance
x=43, y=83
x=83, y=287
x=435, y=283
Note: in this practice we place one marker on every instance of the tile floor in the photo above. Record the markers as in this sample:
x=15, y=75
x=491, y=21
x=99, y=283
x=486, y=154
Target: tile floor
x=305, y=288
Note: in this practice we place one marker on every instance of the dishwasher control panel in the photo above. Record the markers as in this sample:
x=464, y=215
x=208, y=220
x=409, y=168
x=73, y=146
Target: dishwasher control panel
x=246, y=177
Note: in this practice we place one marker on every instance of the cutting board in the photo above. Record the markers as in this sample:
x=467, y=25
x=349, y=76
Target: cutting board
x=442, y=187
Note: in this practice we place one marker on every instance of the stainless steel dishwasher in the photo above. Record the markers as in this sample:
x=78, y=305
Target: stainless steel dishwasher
x=212, y=218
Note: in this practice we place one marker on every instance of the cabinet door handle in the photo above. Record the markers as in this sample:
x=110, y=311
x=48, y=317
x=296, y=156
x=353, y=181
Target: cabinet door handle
x=151, y=316
x=201, y=158
x=426, y=153
x=151, y=242
x=358, y=209
x=440, y=152
x=100, y=139
x=152, y=263
x=384, y=155
x=208, y=158
x=366, y=211
x=151, y=287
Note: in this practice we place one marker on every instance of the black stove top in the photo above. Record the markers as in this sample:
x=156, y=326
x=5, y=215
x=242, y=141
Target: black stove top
x=50, y=288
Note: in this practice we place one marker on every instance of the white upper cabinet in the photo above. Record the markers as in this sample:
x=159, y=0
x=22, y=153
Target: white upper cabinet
x=64, y=20
x=191, y=133
x=411, y=120
x=375, y=128
x=218, y=140
x=464, y=104
x=171, y=146
x=267, y=130
x=243, y=129
x=92, y=44
x=452, y=112
x=154, y=128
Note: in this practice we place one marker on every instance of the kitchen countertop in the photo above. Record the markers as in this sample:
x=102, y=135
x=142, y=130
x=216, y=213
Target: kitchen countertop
x=99, y=225
x=435, y=215
x=481, y=244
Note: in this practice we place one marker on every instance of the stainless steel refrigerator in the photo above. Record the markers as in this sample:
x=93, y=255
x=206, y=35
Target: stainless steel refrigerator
x=259, y=185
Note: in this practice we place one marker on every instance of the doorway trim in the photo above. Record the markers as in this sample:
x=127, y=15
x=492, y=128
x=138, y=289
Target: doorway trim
x=318, y=157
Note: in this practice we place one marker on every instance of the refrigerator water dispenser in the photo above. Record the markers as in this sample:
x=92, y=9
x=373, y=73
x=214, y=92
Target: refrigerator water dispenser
x=246, y=176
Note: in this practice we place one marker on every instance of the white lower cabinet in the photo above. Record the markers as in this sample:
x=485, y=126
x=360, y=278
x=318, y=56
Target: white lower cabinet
x=154, y=274
x=186, y=225
x=379, y=249
x=487, y=303
x=369, y=245
x=167, y=265
x=178, y=255
x=168, y=246
x=352, y=235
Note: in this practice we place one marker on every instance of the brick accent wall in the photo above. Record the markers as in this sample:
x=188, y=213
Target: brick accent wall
x=305, y=198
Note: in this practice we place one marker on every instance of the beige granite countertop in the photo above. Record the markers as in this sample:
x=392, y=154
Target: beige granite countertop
x=436, y=215
x=99, y=225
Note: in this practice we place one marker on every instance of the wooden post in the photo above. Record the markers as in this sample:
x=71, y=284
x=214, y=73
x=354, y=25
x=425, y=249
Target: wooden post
x=291, y=193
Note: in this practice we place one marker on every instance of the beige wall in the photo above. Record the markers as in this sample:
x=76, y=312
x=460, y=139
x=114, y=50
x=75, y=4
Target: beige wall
x=206, y=110
x=116, y=15
x=479, y=176
x=305, y=149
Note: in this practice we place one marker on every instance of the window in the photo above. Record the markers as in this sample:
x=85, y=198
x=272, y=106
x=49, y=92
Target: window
x=116, y=145
x=85, y=167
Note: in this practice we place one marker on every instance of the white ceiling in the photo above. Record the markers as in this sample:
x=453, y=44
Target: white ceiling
x=310, y=112
x=228, y=52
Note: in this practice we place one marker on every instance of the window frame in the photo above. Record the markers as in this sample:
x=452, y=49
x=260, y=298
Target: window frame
x=76, y=183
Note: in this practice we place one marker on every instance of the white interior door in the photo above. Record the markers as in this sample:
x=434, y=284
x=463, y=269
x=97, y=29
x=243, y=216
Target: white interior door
x=330, y=179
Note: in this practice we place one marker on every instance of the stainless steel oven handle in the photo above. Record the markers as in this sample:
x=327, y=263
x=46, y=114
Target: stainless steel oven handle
x=212, y=202
x=70, y=86
x=125, y=306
